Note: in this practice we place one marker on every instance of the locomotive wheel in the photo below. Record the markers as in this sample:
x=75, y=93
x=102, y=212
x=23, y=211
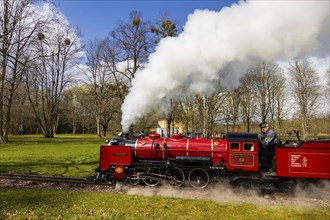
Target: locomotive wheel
x=198, y=178
x=151, y=182
x=175, y=177
x=109, y=178
x=242, y=184
x=133, y=180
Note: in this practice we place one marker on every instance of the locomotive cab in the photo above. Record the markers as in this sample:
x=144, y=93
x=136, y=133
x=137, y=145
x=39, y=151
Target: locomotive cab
x=242, y=151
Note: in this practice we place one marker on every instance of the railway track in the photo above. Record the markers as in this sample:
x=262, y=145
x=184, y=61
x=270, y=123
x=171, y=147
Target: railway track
x=52, y=179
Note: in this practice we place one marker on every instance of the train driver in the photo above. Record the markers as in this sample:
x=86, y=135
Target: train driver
x=269, y=140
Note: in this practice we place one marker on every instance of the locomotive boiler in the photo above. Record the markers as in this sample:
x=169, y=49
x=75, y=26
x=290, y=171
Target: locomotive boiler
x=198, y=161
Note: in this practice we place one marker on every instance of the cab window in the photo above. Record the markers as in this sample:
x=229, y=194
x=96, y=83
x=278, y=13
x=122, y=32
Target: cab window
x=248, y=147
x=234, y=146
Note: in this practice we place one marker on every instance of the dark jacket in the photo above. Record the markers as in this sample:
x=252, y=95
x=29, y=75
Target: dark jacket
x=269, y=140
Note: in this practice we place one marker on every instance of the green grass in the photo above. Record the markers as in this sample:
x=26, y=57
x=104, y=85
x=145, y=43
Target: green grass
x=53, y=204
x=65, y=155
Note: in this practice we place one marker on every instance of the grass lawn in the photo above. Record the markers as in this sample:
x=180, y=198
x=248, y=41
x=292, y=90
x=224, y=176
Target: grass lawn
x=65, y=155
x=61, y=204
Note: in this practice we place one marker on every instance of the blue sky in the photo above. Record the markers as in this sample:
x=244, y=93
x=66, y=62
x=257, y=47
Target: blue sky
x=97, y=18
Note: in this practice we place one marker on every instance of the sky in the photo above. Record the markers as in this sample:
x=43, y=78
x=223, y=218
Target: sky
x=97, y=18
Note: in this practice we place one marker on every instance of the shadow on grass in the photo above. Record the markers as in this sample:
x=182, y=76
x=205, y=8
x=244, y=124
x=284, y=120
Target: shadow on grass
x=19, y=203
x=67, y=167
x=29, y=199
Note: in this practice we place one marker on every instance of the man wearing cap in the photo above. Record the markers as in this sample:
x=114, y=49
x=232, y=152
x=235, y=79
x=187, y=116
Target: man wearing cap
x=269, y=140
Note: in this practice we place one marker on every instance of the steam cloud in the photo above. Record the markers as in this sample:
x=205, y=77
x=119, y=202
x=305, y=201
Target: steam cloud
x=210, y=41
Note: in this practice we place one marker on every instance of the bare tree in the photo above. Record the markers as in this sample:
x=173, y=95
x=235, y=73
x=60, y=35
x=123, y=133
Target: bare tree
x=86, y=109
x=18, y=22
x=226, y=112
x=73, y=108
x=106, y=86
x=46, y=82
x=248, y=105
x=187, y=113
x=235, y=99
x=110, y=108
x=277, y=98
x=98, y=79
x=201, y=113
x=134, y=44
x=260, y=80
x=213, y=104
x=112, y=60
x=304, y=81
x=164, y=26
x=327, y=90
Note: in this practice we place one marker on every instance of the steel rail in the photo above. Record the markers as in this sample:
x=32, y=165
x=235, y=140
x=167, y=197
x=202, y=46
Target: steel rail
x=58, y=179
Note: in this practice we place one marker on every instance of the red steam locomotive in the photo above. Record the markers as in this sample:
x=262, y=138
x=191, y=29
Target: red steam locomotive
x=178, y=160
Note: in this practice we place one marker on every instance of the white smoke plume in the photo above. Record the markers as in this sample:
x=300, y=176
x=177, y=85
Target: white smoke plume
x=248, y=30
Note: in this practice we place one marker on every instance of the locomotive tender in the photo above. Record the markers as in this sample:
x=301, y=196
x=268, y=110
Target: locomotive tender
x=199, y=161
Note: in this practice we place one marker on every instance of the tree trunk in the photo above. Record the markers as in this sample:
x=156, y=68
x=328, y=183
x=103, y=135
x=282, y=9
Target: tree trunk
x=98, y=130
x=168, y=127
x=105, y=128
x=74, y=124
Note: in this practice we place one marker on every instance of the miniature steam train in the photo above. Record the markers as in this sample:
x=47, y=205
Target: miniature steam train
x=198, y=162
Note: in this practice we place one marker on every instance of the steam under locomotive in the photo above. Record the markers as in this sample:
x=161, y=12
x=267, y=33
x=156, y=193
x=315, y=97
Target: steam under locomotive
x=199, y=161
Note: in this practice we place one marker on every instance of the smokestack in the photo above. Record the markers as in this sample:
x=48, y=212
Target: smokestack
x=268, y=30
